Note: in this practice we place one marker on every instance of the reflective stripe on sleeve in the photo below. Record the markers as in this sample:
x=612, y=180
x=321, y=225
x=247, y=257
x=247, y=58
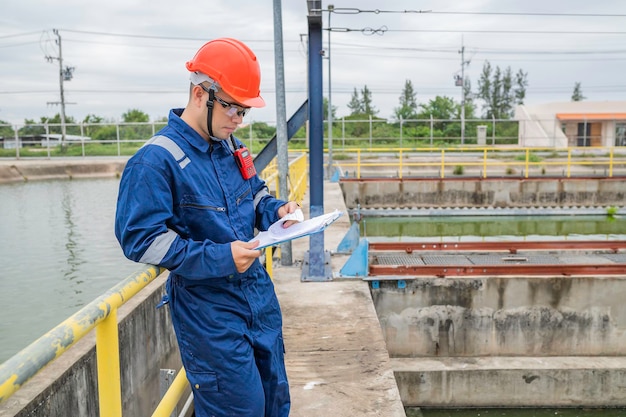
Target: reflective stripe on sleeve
x=157, y=250
x=258, y=196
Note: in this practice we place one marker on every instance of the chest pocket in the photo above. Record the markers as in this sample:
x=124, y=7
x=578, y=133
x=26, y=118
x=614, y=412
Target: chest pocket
x=205, y=218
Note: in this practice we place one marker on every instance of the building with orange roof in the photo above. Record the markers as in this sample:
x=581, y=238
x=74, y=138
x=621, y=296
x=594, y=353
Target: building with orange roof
x=572, y=124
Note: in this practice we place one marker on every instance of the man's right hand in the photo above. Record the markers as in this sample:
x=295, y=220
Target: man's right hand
x=244, y=254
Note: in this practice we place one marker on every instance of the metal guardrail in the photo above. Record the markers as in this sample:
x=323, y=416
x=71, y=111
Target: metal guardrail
x=100, y=314
x=170, y=400
x=488, y=161
x=124, y=138
x=297, y=177
x=346, y=133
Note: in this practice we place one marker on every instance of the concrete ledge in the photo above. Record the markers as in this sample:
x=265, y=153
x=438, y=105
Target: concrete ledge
x=37, y=169
x=511, y=193
x=9, y=174
x=512, y=381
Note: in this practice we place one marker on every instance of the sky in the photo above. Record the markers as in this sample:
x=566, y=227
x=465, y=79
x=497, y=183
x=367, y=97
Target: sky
x=131, y=54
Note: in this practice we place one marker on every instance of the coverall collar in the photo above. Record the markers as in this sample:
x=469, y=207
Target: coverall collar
x=186, y=131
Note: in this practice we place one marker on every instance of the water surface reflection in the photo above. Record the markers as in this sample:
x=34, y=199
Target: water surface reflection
x=58, y=253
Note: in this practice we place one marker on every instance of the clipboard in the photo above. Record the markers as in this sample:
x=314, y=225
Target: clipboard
x=278, y=234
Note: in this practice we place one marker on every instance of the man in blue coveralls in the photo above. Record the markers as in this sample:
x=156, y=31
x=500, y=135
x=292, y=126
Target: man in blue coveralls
x=189, y=201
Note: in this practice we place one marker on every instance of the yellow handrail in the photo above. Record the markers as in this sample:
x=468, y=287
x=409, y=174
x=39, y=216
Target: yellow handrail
x=172, y=396
x=489, y=159
x=100, y=312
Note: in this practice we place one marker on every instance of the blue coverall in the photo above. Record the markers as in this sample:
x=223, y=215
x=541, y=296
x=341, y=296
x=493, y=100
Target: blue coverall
x=182, y=201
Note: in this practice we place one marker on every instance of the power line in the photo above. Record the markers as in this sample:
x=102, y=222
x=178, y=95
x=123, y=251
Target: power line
x=384, y=29
x=15, y=35
x=136, y=36
x=172, y=38
x=354, y=10
x=453, y=50
x=533, y=14
x=19, y=44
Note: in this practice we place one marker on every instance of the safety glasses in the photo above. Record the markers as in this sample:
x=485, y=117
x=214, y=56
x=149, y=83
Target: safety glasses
x=232, y=109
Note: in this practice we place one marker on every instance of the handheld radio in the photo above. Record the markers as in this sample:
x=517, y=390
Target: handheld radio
x=244, y=162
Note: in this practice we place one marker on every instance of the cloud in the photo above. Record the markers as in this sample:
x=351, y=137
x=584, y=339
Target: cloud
x=131, y=54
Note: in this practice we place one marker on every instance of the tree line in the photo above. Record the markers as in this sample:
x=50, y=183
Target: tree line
x=498, y=92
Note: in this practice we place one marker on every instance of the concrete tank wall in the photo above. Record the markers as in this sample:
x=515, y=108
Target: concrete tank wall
x=484, y=192
x=513, y=382
x=68, y=386
x=517, y=316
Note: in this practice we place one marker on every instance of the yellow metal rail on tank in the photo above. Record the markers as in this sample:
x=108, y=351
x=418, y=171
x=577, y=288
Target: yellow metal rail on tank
x=100, y=314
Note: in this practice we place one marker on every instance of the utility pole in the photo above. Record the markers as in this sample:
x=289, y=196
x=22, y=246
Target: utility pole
x=65, y=74
x=330, y=102
x=460, y=82
x=282, y=152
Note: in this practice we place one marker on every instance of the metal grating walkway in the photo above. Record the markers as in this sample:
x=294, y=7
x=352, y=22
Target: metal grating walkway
x=576, y=258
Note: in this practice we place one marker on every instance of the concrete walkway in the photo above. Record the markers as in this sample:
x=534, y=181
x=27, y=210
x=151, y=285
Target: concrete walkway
x=337, y=361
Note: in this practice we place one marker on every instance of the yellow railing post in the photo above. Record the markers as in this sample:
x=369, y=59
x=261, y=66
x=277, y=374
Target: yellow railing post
x=269, y=262
x=443, y=163
x=611, y=163
x=400, y=168
x=108, y=358
x=484, y=162
x=569, y=162
x=358, y=163
x=527, y=161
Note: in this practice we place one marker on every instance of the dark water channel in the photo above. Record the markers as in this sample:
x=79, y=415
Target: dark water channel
x=472, y=228
x=510, y=412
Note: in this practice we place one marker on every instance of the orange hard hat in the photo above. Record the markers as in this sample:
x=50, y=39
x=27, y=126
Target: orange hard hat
x=233, y=66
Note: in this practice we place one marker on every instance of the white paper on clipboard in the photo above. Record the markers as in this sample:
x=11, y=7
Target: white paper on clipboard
x=278, y=234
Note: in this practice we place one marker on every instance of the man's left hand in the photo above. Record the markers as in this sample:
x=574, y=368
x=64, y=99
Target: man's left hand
x=290, y=207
